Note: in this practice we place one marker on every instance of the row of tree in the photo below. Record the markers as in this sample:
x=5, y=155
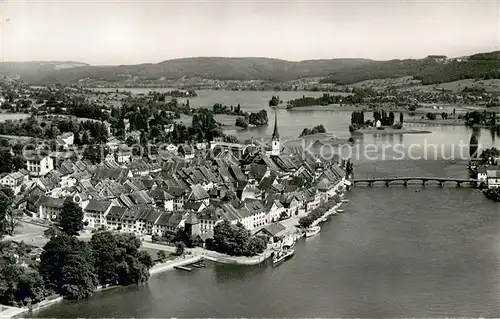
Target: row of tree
x=318, y=212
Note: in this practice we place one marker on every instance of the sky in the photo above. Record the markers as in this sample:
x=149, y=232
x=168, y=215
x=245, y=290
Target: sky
x=130, y=32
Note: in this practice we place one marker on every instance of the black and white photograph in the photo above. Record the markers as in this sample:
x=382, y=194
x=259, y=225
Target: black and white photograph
x=249, y=159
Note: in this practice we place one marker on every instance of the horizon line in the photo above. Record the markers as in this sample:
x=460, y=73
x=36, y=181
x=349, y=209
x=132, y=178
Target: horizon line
x=243, y=57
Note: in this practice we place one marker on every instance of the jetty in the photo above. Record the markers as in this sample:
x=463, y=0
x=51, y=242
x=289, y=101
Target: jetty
x=183, y=268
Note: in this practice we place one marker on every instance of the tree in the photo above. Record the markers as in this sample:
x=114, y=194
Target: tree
x=68, y=267
x=85, y=138
x=9, y=220
x=20, y=286
x=274, y=101
x=162, y=256
x=104, y=250
x=179, y=248
x=6, y=162
x=473, y=144
x=391, y=118
x=235, y=240
x=118, y=259
x=71, y=218
x=240, y=122
x=305, y=222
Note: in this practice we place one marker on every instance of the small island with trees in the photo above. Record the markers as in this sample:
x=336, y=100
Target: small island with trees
x=252, y=119
x=315, y=130
x=275, y=101
x=382, y=123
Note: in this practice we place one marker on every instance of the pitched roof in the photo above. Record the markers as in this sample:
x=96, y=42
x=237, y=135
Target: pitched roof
x=198, y=193
x=273, y=229
x=160, y=194
x=192, y=220
x=50, y=202
x=116, y=212
x=98, y=205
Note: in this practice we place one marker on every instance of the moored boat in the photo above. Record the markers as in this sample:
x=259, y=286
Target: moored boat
x=287, y=250
x=340, y=211
x=311, y=231
x=345, y=201
x=282, y=255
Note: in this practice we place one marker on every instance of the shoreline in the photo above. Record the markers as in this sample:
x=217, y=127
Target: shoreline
x=454, y=122
x=390, y=131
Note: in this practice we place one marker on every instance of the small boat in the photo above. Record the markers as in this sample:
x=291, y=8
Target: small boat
x=345, y=201
x=283, y=255
x=340, y=211
x=285, y=252
x=311, y=231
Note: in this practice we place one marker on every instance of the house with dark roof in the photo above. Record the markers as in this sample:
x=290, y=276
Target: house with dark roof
x=44, y=207
x=119, y=175
x=180, y=195
x=254, y=213
x=15, y=180
x=37, y=163
x=273, y=207
x=331, y=181
x=146, y=218
x=193, y=206
x=114, y=217
x=186, y=151
x=274, y=232
x=162, y=199
x=95, y=213
x=169, y=222
x=199, y=194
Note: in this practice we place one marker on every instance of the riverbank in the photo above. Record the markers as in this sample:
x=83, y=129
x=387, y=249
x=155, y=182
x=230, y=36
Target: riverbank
x=169, y=265
x=332, y=211
x=457, y=122
x=389, y=131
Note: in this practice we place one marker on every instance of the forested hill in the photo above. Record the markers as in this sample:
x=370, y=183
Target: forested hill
x=433, y=69
x=429, y=70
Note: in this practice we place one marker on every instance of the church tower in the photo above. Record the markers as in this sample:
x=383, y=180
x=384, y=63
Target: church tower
x=275, y=140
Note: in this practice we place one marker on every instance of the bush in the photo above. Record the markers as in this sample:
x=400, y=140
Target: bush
x=240, y=122
x=179, y=248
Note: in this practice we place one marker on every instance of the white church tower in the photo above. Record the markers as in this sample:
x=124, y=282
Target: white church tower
x=275, y=140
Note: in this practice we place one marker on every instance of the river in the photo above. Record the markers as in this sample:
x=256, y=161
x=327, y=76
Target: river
x=393, y=253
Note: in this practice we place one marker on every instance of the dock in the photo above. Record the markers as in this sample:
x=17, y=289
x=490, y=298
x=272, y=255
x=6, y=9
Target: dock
x=183, y=268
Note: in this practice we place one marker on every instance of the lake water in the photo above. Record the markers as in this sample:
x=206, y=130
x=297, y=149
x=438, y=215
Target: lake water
x=393, y=253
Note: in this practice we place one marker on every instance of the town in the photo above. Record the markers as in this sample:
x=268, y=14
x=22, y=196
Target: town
x=135, y=176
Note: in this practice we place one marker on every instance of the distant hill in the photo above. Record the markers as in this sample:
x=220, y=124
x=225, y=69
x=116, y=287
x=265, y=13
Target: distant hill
x=434, y=69
x=429, y=70
x=36, y=68
x=202, y=67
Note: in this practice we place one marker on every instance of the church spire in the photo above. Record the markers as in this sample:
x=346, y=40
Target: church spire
x=276, y=135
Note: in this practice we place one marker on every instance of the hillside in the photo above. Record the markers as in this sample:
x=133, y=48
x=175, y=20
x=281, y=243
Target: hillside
x=342, y=71
x=429, y=71
x=202, y=67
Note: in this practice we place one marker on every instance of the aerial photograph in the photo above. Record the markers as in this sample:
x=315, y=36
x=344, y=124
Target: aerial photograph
x=249, y=159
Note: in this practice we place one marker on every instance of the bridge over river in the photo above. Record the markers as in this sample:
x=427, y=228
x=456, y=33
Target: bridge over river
x=405, y=180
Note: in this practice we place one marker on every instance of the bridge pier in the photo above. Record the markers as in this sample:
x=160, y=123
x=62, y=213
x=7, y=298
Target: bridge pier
x=370, y=184
x=441, y=184
x=423, y=182
x=387, y=184
x=459, y=184
x=405, y=183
